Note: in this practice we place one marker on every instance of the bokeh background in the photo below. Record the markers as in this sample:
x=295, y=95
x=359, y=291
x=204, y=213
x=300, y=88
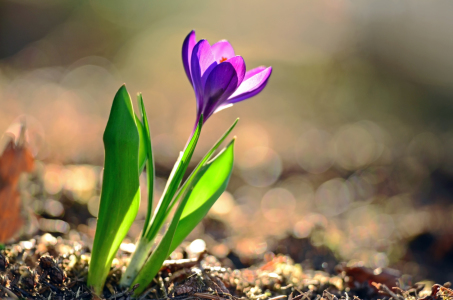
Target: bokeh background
x=348, y=150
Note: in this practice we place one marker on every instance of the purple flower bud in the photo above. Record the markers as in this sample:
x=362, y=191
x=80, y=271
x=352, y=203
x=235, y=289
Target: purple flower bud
x=218, y=76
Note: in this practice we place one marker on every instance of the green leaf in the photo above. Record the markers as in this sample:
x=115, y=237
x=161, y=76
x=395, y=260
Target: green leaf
x=172, y=184
x=207, y=185
x=120, y=196
x=150, y=171
x=142, y=150
x=201, y=163
x=153, y=226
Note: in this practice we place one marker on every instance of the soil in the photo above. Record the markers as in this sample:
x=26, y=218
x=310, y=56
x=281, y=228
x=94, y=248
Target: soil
x=54, y=268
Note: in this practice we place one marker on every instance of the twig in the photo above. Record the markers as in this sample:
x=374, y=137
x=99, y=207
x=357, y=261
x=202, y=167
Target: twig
x=287, y=286
x=180, y=264
x=384, y=289
x=209, y=296
x=126, y=292
x=301, y=295
x=278, y=297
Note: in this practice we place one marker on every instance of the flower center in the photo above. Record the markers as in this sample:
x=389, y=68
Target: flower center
x=223, y=59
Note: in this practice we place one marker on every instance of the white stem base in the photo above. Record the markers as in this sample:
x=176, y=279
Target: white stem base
x=138, y=259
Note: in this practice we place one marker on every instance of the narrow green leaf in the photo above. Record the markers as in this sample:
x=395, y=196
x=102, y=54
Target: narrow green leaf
x=150, y=171
x=142, y=150
x=208, y=184
x=172, y=185
x=200, y=164
x=120, y=196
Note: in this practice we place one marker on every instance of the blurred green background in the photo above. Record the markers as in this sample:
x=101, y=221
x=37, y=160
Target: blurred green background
x=350, y=146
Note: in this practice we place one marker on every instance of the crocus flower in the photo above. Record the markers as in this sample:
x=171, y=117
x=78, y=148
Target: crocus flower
x=218, y=76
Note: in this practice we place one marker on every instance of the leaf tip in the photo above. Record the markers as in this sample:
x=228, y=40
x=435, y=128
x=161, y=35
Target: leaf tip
x=122, y=89
x=231, y=143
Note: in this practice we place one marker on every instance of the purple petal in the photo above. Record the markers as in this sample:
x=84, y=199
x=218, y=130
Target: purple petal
x=187, y=47
x=238, y=64
x=251, y=86
x=201, y=64
x=253, y=72
x=222, y=51
x=221, y=83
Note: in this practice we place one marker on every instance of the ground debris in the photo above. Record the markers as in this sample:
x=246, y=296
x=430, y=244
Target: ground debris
x=53, y=268
x=31, y=273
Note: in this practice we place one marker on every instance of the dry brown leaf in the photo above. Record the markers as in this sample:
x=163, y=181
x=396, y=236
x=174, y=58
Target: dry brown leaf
x=15, y=160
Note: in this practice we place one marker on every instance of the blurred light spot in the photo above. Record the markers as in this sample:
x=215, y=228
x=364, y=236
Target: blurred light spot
x=220, y=250
x=333, y=197
x=250, y=247
x=261, y=166
x=53, y=225
x=48, y=239
x=27, y=244
x=74, y=235
x=355, y=147
x=127, y=247
x=53, y=178
x=53, y=208
x=302, y=229
x=197, y=246
x=93, y=205
x=223, y=205
x=81, y=180
x=278, y=205
x=314, y=151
